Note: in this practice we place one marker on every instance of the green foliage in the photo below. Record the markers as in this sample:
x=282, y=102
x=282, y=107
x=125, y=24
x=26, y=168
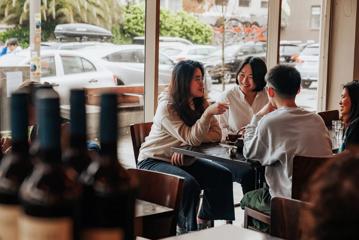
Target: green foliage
x=23, y=34
x=134, y=21
x=179, y=24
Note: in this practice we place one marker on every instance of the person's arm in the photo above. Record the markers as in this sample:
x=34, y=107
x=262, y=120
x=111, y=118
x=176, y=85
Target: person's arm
x=257, y=140
x=214, y=132
x=223, y=121
x=195, y=134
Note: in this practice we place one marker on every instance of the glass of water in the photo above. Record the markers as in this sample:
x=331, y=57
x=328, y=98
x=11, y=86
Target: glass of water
x=338, y=128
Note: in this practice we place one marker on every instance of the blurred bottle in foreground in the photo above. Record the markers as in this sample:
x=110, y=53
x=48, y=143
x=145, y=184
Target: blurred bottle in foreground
x=109, y=195
x=48, y=196
x=14, y=168
x=76, y=156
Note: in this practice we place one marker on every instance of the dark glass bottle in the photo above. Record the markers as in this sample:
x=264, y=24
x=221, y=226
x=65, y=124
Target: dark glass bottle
x=76, y=156
x=14, y=167
x=108, y=194
x=48, y=196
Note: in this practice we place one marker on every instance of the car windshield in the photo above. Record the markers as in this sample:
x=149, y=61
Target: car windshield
x=311, y=51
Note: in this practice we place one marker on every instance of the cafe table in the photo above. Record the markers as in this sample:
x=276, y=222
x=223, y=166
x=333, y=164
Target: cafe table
x=220, y=152
x=224, y=232
x=148, y=210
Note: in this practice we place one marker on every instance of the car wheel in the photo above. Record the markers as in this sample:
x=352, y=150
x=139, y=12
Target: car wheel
x=119, y=82
x=306, y=83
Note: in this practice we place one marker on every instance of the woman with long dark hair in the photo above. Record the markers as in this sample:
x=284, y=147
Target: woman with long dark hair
x=184, y=117
x=349, y=111
x=245, y=99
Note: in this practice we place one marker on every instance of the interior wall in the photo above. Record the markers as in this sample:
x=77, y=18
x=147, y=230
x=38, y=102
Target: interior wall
x=342, y=45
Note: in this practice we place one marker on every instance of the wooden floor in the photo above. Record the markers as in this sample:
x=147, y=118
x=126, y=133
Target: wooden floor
x=125, y=154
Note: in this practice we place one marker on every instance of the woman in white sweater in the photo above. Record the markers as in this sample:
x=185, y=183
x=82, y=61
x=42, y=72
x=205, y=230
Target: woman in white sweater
x=245, y=100
x=184, y=117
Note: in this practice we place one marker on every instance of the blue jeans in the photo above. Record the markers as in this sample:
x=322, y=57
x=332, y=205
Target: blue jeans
x=244, y=175
x=214, y=179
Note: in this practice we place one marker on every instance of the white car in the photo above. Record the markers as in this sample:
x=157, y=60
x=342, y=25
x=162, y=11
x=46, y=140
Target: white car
x=308, y=65
x=65, y=70
x=127, y=62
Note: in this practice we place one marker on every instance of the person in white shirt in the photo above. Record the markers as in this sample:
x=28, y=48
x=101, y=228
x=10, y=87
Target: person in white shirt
x=280, y=131
x=184, y=117
x=245, y=99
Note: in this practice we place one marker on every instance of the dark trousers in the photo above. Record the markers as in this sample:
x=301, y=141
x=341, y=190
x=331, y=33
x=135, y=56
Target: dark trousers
x=244, y=175
x=215, y=180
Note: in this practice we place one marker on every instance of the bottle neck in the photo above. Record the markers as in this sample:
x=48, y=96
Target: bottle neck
x=52, y=156
x=78, y=142
x=109, y=150
x=20, y=147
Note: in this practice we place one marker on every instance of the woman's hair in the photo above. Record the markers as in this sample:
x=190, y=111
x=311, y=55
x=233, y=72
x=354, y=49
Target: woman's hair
x=353, y=91
x=333, y=212
x=259, y=70
x=180, y=91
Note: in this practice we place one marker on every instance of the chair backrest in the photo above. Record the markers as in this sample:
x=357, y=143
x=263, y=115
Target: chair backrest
x=329, y=116
x=163, y=189
x=285, y=215
x=303, y=170
x=139, y=132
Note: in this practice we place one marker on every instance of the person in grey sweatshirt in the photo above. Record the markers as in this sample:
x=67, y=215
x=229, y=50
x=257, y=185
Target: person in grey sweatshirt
x=184, y=117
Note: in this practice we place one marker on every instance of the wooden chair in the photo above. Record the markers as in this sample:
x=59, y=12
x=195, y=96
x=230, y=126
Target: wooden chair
x=329, y=116
x=285, y=216
x=163, y=189
x=303, y=170
x=139, y=132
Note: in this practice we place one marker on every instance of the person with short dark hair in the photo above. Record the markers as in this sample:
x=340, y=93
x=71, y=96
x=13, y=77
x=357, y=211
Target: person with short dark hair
x=245, y=99
x=279, y=132
x=184, y=117
x=349, y=111
x=12, y=46
x=333, y=212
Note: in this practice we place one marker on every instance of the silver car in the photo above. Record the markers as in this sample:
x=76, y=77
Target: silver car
x=127, y=62
x=65, y=70
x=308, y=65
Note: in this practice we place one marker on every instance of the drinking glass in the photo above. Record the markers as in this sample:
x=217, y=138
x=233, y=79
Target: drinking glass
x=338, y=128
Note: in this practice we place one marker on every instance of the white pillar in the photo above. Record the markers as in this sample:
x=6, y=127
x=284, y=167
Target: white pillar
x=151, y=60
x=35, y=39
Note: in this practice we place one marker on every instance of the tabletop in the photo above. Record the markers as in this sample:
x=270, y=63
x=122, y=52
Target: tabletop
x=145, y=208
x=225, y=232
x=213, y=151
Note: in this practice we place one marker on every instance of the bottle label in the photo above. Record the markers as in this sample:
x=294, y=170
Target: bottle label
x=103, y=234
x=9, y=215
x=45, y=228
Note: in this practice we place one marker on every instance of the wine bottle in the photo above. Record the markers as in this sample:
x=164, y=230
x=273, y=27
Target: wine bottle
x=48, y=196
x=14, y=168
x=108, y=194
x=76, y=156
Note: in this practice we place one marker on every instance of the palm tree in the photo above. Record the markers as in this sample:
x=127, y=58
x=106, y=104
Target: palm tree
x=105, y=13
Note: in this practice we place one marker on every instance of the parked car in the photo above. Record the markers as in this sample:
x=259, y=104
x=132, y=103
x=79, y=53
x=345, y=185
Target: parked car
x=233, y=57
x=127, y=62
x=72, y=45
x=65, y=70
x=289, y=52
x=175, y=40
x=194, y=52
x=308, y=64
